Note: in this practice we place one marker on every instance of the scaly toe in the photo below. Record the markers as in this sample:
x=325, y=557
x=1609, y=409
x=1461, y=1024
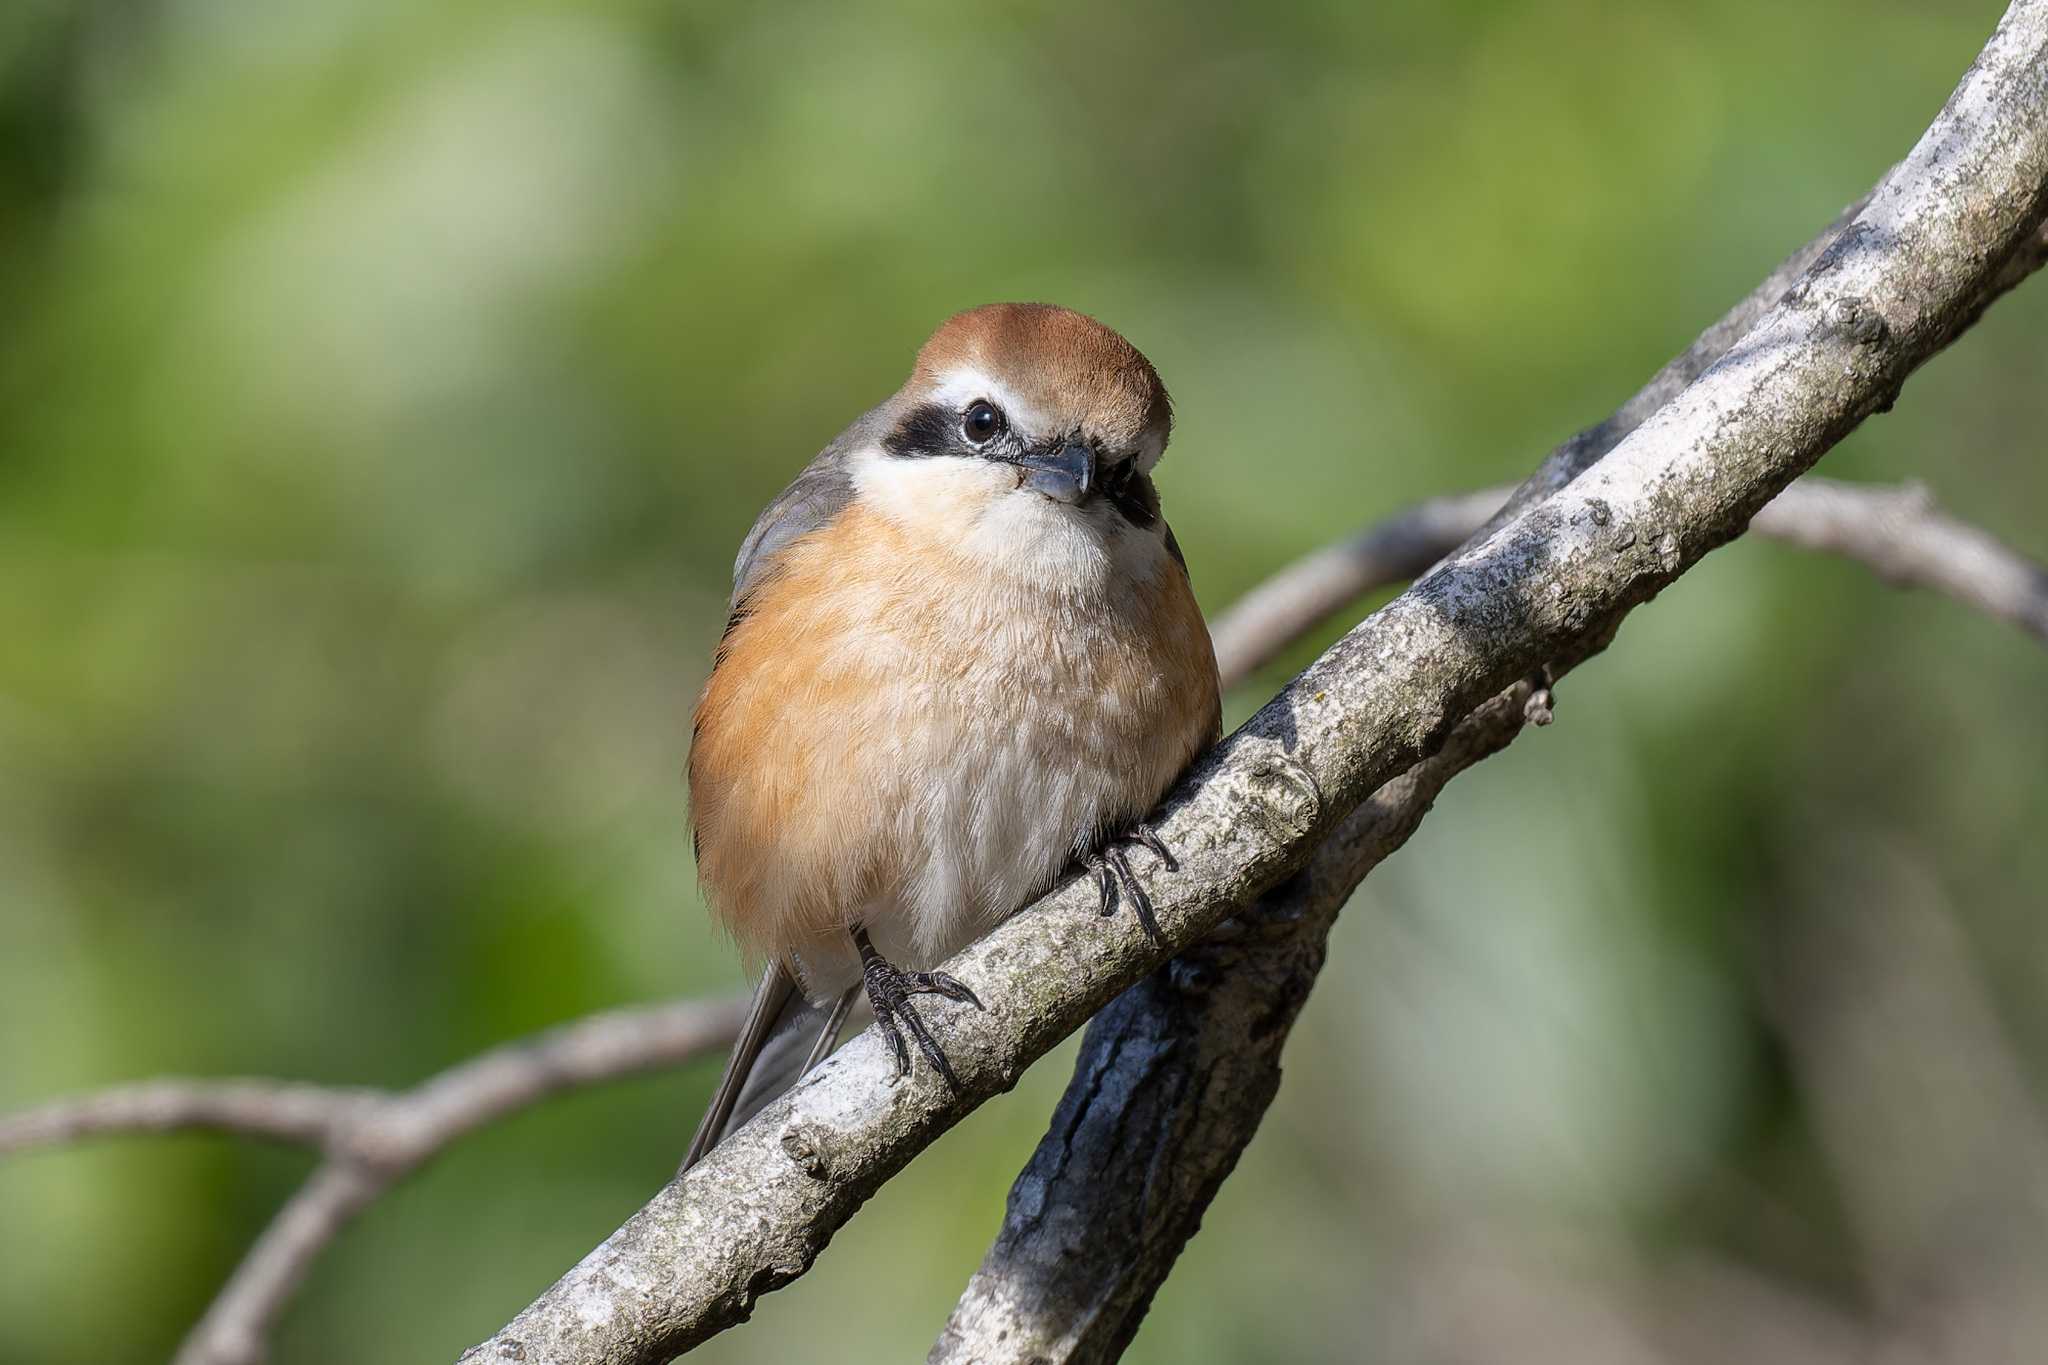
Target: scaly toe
x=1144, y=834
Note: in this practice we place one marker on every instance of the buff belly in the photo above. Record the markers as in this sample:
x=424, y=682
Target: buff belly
x=893, y=737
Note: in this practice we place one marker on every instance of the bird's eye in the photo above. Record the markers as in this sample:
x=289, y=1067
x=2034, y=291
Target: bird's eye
x=981, y=423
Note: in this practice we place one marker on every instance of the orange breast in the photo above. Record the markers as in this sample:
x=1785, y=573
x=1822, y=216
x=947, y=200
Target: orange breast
x=890, y=735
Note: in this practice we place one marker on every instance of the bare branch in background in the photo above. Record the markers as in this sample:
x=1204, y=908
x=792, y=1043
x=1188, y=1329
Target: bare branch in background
x=1921, y=260
x=385, y=1139
x=1906, y=540
x=393, y=1129
x=315, y=1115
x=1896, y=532
x=1300, y=597
x=372, y=1138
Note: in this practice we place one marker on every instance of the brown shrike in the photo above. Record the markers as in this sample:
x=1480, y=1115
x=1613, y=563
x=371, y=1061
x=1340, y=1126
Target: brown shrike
x=963, y=655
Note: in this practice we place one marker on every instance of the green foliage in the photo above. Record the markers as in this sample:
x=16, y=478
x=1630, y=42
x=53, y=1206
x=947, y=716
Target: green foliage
x=384, y=389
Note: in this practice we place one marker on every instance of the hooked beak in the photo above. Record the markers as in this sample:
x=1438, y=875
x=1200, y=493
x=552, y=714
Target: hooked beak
x=1064, y=475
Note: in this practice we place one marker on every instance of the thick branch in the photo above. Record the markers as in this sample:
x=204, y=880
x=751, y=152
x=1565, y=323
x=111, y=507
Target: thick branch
x=1898, y=533
x=1189, y=1061
x=1920, y=261
x=1295, y=600
x=1174, y=1078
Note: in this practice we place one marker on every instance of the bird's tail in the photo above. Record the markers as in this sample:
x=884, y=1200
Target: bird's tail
x=784, y=1036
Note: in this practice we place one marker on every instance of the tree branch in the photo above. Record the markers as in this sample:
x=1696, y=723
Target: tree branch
x=315, y=1115
x=392, y=1128
x=372, y=1138
x=1189, y=1060
x=1917, y=264
x=1896, y=532
x=1174, y=1078
x=1172, y=1081
x=1906, y=540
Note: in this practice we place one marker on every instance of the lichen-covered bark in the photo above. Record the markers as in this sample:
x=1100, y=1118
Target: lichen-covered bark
x=1174, y=1078
x=1050, y=1291
x=1920, y=259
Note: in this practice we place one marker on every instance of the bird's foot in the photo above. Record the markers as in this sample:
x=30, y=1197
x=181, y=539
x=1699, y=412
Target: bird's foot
x=889, y=990
x=1111, y=866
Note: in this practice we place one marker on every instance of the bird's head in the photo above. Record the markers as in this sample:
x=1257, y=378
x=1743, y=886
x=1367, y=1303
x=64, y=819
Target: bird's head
x=1026, y=434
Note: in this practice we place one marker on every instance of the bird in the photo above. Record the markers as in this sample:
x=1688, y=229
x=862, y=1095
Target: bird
x=963, y=658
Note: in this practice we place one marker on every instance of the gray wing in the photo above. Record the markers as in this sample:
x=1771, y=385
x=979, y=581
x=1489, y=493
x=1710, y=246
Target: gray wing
x=811, y=501
x=785, y=1035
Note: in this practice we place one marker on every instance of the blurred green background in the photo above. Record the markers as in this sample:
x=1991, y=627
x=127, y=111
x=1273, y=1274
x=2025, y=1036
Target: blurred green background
x=385, y=387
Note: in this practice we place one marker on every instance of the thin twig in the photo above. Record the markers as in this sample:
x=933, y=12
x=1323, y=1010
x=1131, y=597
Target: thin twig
x=235, y=1329
x=372, y=1138
x=1900, y=535
x=1897, y=532
x=384, y=1127
x=1287, y=606
x=315, y=1115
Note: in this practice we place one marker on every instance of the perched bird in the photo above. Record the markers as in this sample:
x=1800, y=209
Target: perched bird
x=963, y=656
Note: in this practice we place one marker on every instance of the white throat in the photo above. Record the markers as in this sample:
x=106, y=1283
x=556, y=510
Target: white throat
x=979, y=509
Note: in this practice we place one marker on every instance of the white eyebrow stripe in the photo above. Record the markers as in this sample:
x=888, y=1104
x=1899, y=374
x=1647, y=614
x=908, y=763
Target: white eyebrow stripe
x=958, y=387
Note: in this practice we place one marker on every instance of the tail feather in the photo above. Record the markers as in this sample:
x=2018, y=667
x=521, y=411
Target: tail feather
x=784, y=1036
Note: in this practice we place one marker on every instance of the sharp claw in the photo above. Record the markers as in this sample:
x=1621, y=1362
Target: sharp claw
x=1111, y=866
x=1141, y=903
x=930, y=1048
x=1148, y=921
x=1144, y=834
x=1121, y=861
x=953, y=988
x=887, y=1020
x=889, y=989
x=1105, y=882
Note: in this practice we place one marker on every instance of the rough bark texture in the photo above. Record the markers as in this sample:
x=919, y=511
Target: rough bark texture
x=1050, y=1290
x=1921, y=261
x=1193, y=1023
x=1174, y=1078
x=1045, y=1290
x=1896, y=531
